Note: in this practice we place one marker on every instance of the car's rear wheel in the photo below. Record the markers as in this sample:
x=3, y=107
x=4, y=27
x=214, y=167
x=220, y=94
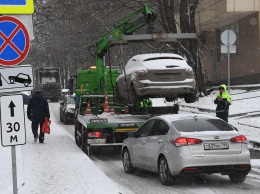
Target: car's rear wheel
x=164, y=172
x=133, y=96
x=127, y=164
x=190, y=98
x=237, y=177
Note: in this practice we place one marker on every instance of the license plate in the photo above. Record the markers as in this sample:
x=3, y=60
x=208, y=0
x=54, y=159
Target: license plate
x=96, y=141
x=216, y=146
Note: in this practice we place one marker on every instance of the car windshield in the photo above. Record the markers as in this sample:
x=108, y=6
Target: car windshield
x=70, y=100
x=199, y=125
x=160, y=58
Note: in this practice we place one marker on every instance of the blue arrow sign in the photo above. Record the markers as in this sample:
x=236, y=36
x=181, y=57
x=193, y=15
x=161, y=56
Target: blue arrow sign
x=12, y=2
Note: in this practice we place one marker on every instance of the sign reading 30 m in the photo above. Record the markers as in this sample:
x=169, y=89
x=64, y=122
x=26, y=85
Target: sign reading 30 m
x=16, y=7
x=12, y=120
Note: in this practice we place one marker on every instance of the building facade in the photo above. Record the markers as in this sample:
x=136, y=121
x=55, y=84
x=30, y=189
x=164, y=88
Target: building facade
x=242, y=17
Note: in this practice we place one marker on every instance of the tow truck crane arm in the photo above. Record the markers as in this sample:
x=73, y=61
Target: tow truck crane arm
x=124, y=26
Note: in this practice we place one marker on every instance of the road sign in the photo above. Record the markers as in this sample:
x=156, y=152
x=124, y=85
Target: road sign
x=16, y=79
x=228, y=37
x=16, y=7
x=228, y=49
x=14, y=41
x=12, y=120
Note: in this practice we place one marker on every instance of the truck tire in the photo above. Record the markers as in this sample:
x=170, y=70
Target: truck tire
x=77, y=137
x=84, y=145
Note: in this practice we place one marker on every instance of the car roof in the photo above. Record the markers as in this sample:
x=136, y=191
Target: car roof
x=142, y=57
x=176, y=117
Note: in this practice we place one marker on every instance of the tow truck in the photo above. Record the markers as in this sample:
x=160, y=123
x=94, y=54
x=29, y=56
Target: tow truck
x=100, y=121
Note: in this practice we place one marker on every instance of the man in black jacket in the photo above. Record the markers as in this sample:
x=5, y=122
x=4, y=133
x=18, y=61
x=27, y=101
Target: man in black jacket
x=37, y=110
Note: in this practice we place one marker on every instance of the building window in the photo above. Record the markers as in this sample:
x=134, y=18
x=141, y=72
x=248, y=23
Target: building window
x=235, y=28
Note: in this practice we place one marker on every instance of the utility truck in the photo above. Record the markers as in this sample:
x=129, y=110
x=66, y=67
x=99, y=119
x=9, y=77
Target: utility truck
x=49, y=82
x=100, y=121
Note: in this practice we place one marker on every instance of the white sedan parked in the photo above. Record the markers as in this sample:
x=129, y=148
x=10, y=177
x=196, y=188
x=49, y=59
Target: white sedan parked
x=187, y=144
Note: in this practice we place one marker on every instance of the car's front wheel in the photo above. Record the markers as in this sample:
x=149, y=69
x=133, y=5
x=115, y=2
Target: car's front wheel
x=164, y=172
x=127, y=164
x=237, y=177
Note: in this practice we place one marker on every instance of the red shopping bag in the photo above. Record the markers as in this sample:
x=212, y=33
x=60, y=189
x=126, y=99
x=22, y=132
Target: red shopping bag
x=46, y=126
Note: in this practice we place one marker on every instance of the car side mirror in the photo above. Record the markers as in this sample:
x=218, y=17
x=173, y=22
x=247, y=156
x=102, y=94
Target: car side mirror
x=131, y=135
x=62, y=103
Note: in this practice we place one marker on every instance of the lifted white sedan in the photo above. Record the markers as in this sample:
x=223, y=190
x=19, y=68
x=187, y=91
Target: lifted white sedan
x=156, y=75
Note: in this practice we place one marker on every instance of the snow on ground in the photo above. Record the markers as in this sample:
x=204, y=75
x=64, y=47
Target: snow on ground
x=59, y=166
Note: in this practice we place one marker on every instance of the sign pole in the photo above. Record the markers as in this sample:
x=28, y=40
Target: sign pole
x=228, y=38
x=14, y=169
x=228, y=52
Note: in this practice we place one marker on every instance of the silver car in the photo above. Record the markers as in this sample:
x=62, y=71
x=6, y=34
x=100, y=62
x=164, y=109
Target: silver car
x=187, y=144
x=156, y=75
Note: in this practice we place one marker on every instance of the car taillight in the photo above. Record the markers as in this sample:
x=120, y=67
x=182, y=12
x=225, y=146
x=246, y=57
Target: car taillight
x=239, y=139
x=183, y=141
x=95, y=134
x=140, y=73
x=190, y=169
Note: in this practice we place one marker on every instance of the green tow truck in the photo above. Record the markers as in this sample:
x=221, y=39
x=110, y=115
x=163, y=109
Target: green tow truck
x=100, y=122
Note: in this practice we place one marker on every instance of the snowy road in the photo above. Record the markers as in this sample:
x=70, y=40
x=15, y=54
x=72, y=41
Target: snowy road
x=110, y=163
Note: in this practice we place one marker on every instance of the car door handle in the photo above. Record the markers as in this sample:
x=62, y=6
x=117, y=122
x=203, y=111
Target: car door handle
x=144, y=143
x=160, y=141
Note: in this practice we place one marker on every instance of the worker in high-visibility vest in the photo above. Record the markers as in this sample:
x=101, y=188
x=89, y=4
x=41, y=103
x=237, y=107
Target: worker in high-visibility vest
x=223, y=101
x=146, y=102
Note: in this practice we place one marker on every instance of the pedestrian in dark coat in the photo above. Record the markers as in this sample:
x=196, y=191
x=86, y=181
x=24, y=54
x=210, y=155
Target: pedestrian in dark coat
x=223, y=101
x=37, y=110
